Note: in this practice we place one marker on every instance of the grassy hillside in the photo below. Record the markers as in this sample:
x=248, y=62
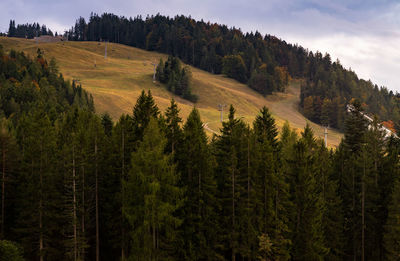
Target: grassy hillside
x=117, y=81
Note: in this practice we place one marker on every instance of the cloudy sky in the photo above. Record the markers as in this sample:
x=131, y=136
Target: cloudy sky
x=363, y=34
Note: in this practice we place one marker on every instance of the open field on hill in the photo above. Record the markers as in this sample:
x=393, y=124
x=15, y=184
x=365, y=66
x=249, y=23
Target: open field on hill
x=117, y=81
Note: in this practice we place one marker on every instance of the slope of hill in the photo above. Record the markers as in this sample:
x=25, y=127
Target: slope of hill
x=117, y=81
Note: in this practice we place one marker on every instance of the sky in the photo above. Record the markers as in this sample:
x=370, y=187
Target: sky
x=363, y=35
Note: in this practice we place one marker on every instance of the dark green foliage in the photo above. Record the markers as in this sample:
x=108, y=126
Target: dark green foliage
x=307, y=216
x=9, y=251
x=195, y=163
x=332, y=216
x=265, y=128
x=177, y=78
x=173, y=128
x=145, y=108
x=236, y=181
x=77, y=186
x=24, y=83
x=364, y=186
x=38, y=207
x=329, y=87
x=392, y=226
x=271, y=189
x=233, y=66
x=27, y=30
x=107, y=123
x=262, y=83
x=152, y=197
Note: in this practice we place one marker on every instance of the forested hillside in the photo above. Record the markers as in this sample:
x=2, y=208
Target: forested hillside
x=117, y=81
x=27, y=83
x=329, y=88
x=211, y=47
x=76, y=186
x=265, y=63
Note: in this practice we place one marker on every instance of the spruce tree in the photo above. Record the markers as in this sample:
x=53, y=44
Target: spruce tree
x=307, y=228
x=391, y=238
x=123, y=142
x=390, y=173
x=37, y=206
x=144, y=109
x=173, y=128
x=271, y=186
x=152, y=197
x=332, y=219
x=372, y=159
x=231, y=154
x=350, y=173
x=8, y=166
x=195, y=164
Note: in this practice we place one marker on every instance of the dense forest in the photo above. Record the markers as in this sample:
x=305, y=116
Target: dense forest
x=77, y=186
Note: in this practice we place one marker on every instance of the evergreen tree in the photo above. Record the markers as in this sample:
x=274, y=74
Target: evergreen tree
x=123, y=142
x=231, y=154
x=372, y=160
x=173, y=129
x=390, y=173
x=200, y=228
x=391, y=237
x=9, y=251
x=152, y=197
x=271, y=187
x=350, y=172
x=9, y=156
x=144, y=109
x=332, y=219
x=307, y=228
x=37, y=206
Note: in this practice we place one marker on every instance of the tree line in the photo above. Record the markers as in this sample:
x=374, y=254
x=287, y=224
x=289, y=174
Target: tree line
x=215, y=48
x=329, y=88
x=77, y=186
x=28, y=31
x=264, y=63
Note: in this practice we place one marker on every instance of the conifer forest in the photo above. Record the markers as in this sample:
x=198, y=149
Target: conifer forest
x=76, y=185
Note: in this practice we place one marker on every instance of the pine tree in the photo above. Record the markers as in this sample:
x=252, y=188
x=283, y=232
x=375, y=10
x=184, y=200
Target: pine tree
x=373, y=159
x=195, y=163
x=173, y=129
x=144, y=109
x=123, y=143
x=231, y=154
x=271, y=186
x=391, y=237
x=332, y=219
x=152, y=197
x=307, y=228
x=9, y=156
x=36, y=185
x=350, y=172
x=390, y=172
x=265, y=127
